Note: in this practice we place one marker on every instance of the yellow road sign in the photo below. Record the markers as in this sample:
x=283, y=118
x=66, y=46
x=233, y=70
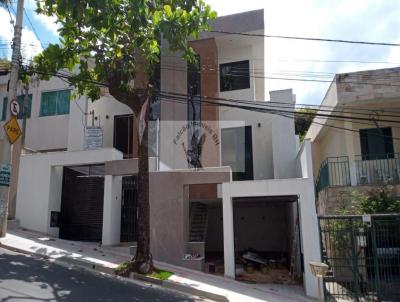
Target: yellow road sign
x=13, y=130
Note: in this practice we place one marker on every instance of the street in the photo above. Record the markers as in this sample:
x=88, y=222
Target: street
x=24, y=278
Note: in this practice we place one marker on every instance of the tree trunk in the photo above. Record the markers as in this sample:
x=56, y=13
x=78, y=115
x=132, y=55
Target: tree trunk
x=143, y=258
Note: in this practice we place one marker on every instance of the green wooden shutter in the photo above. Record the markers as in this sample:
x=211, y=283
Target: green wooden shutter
x=48, y=104
x=63, y=100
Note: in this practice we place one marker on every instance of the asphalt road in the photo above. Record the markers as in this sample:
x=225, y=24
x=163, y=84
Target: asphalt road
x=24, y=278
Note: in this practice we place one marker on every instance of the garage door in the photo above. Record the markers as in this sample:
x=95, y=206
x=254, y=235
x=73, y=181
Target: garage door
x=82, y=204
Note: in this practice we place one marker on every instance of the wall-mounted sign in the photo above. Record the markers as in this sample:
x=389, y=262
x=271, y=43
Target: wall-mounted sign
x=14, y=107
x=93, y=138
x=12, y=130
x=5, y=175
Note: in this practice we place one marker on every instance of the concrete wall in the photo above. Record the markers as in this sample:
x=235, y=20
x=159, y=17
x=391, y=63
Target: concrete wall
x=283, y=137
x=267, y=223
x=169, y=210
x=214, y=237
x=332, y=199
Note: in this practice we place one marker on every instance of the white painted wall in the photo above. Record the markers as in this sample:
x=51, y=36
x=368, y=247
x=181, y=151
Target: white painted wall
x=233, y=48
x=42, y=133
x=39, y=184
x=302, y=187
x=105, y=109
x=283, y=136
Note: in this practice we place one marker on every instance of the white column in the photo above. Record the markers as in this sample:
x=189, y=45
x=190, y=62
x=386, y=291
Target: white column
x=112, y=210
x=229, y=247
x=310, y=242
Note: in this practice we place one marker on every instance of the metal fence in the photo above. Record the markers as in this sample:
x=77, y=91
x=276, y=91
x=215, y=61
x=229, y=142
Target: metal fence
x=363, y=254
x=378, y=169
x=333, y=172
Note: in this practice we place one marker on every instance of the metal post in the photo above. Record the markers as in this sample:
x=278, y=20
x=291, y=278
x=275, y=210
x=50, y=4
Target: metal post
x=5, y=148
x=24, y=116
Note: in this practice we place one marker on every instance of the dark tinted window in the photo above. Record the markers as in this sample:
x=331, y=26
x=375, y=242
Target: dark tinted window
x=376, y=143
x=234, y=76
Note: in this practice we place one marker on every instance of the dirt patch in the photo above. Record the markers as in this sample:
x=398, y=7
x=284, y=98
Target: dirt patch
x=273, y=275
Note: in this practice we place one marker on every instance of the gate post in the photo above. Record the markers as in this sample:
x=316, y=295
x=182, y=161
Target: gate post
x=375, y=257
x=112, y=210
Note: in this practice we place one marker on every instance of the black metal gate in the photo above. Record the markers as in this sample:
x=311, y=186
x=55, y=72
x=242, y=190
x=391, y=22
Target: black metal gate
x=129, y=209
x=81, y=216
x=363, y=254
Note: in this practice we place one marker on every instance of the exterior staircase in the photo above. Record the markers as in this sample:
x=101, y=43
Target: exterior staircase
x=198, y=222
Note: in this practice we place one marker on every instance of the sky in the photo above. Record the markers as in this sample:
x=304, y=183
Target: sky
x=363, y=20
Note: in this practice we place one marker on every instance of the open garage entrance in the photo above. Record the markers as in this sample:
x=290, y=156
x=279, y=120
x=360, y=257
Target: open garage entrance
x=81, y=216
x=266, y=240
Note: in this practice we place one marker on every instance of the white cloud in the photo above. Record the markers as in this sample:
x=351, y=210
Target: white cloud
x=48, y=22
x=30, y=43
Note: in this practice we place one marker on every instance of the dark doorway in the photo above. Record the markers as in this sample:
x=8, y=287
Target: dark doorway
x=123, y=134
x=82, y=198
x=267, y=240
x=129, y=209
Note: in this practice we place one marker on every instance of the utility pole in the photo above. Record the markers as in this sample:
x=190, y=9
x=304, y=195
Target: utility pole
x=5, y=147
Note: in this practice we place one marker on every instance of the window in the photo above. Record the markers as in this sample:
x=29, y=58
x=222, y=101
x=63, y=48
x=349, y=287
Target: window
x=55, y=103
x=376, y=143
x=20, y=100
x=237, y=151
x=234, y=76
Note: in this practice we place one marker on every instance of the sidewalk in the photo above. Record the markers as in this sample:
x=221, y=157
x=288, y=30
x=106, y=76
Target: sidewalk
x=105, y=259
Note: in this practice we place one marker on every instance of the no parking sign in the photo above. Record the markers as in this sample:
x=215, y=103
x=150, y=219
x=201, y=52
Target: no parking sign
x=14, y=107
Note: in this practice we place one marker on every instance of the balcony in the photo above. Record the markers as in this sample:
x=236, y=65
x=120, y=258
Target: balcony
x=333, y=172
x=359, y=171
x=377, y=170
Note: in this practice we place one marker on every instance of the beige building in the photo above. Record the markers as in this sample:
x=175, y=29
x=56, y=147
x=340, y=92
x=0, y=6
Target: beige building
x=356, y=136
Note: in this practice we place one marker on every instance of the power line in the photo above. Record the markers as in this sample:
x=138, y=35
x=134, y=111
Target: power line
x=358, y=111
x=306, y=38
x=234, y=104
x=277, y=112
x=33, y=28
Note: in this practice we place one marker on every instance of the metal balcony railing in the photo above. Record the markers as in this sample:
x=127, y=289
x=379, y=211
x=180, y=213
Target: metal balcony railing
x=333, y=172
x=378, y=169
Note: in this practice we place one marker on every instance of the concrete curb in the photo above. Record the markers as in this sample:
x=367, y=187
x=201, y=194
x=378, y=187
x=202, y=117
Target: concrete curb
x=110, y=271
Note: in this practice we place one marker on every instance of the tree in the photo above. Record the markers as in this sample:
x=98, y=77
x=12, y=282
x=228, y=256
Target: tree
x=116, y=44
x=302, y=121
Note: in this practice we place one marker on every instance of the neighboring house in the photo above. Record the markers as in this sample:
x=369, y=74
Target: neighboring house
x=361, y=149
x=231, y=181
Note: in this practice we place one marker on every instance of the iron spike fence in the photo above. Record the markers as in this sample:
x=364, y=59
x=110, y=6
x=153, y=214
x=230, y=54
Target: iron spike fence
x=363, y=254
x=333, y=172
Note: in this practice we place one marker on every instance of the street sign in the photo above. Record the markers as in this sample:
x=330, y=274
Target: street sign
x=14, y=107
x=5, y=175
x=12, y=130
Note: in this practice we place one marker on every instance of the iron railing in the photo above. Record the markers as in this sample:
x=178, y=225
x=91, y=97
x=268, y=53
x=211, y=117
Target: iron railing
x=378, y=169
x=333, y=172
x=363, y=255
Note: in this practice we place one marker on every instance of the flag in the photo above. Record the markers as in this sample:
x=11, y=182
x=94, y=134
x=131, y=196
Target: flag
x=142, y=119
